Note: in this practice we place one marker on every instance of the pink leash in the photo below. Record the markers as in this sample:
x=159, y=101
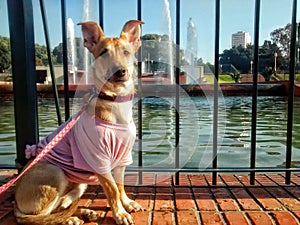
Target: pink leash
x=49, y=146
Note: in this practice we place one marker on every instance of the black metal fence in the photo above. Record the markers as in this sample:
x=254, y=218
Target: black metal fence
x=22, y=46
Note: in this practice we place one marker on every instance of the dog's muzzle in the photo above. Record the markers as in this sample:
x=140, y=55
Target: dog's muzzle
x=117, y=74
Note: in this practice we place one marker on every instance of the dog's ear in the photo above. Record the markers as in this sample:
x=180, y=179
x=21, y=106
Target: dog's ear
x=92, y=33
x=132, y=32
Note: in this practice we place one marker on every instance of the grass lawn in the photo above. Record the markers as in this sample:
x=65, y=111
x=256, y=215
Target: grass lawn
x=286, y=76
x=223, y=78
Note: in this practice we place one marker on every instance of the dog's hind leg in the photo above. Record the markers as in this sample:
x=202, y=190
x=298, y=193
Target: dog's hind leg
x=76, y=191
x=81, y=214
x=39, y=191
x=86, y=214
x=129, y=204
x=74, y=220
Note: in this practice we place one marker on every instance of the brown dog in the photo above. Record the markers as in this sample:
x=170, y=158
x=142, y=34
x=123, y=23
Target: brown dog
x=98, y=147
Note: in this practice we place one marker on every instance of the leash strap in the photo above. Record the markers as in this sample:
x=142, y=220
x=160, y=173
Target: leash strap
x=93, y=93
x=50, y=145
x=45, y=151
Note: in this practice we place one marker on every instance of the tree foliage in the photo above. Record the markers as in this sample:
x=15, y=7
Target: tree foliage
x=5, y=58
x=239, y=57
x=79, y=53
x=236, y=76
x=267, y=73
x=282, y=38
x=156, y=49
x=58, y=53
x=41, y=57
x=267, y=57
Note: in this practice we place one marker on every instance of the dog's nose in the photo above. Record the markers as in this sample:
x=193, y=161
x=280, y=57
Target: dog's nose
x=119, y=71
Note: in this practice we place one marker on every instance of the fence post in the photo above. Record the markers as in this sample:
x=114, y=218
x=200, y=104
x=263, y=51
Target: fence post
x=140, y=104
x=254, y=91
x=20, y=15
x=289, y=133
x=65, y=59
x=216, y=100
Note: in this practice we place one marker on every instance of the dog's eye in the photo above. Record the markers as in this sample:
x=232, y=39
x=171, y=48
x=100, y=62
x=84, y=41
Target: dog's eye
x=103, y=52
x=126, y=53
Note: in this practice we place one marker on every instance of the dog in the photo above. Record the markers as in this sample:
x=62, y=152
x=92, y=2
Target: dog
x=97, y=148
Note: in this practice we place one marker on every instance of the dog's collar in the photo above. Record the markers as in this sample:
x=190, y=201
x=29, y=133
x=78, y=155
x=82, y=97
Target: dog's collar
x=119, y=99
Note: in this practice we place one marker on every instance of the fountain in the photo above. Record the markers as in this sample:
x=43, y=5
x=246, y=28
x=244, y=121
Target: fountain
x=191, y=53
x=71, y=49
x=170, y=61
x=191, y=42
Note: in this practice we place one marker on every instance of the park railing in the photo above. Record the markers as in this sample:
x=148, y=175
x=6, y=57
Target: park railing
x=22, y=49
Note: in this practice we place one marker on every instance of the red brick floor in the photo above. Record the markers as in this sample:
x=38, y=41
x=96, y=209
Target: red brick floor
x=232, y=201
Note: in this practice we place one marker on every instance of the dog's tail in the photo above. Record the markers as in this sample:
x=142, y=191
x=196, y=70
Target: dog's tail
x=50, y=219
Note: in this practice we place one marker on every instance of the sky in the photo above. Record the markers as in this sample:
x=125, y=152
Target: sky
x=236, y=15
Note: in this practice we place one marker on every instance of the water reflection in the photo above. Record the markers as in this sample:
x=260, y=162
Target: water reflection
x=7, y=132
x=195, y=131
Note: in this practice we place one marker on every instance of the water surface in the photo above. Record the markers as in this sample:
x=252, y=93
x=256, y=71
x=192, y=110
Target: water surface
x=196, y=125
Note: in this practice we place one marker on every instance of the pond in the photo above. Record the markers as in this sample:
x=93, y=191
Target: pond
x=196, y=125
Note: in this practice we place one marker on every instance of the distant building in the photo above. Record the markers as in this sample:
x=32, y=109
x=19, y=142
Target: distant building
x=241, y=38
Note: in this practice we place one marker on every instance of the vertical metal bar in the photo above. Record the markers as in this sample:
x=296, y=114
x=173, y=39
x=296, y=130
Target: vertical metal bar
x=140, y=112
x=101, y=16
x=21, y=29
x=54, y=88
x=215, y=111
x=291, y=94
x=254, y=91
x=297, y=41
x=177, y=71
x=65, y=59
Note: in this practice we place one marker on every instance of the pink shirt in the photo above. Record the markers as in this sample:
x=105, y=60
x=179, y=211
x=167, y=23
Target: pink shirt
x=91, y=146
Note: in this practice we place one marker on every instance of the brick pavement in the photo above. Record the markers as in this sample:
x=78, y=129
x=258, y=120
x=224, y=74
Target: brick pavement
x=233, y=201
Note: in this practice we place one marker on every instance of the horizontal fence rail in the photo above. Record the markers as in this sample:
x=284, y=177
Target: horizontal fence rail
x=215, y=169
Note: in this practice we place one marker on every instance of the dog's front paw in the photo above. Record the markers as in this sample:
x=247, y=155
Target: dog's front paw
x=74, y=220
x=132, y=206
x=122, y=217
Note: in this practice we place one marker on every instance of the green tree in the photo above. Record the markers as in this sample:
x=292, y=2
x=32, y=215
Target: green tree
x=236, y=76
x=267, y=57
x=239, y=57
x=5, y=58
x=79, y=53
x=155, y=51
x=267, y=73
x=152, y=37
x=41, y=55
x=282, y=37
x=57, y=52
